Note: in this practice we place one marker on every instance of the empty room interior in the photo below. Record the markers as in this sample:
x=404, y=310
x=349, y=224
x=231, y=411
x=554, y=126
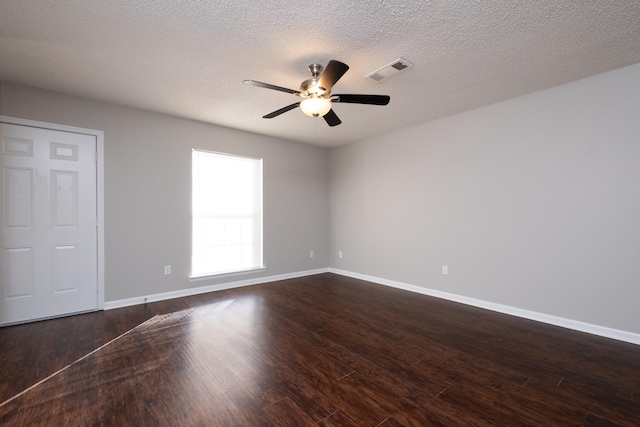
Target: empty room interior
x=384, y=213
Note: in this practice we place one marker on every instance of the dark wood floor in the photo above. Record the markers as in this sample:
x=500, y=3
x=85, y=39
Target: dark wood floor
x=324, y=350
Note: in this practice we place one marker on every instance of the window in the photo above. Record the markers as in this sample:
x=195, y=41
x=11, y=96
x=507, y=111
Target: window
x=226, y=214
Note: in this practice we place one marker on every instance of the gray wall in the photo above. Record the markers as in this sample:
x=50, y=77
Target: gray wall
x=533, y=203
x=148, y=190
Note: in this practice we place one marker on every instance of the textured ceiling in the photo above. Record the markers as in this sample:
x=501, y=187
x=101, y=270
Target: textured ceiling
x=188, y=58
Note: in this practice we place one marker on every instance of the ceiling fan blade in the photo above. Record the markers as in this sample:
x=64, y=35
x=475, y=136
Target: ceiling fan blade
x=269, y=86
x=280, y=111
x=362, y=99
x=332, y=119
x=331, y=74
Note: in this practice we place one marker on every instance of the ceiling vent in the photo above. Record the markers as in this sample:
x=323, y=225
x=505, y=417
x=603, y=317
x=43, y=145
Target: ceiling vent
x=389, y=70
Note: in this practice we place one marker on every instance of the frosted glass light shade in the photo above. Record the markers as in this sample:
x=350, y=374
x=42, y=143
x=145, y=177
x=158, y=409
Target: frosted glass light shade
x=315, y=107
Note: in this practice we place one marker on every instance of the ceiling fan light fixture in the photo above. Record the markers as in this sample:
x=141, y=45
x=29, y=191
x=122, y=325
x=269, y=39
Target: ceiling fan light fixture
x=315, y=107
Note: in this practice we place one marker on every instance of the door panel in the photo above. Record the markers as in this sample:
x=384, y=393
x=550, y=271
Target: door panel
x=64, y=199
x=17, y=195
x=18, y=277
x=48, y=233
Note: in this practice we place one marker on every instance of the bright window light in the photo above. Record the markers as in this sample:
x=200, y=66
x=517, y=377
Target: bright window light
x=226, y=214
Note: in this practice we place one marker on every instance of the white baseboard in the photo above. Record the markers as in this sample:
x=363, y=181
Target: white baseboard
x=500, y=308
x=110, y=305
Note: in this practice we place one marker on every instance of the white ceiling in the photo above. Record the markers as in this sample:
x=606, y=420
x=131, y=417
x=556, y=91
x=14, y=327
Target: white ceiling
x=188, y=58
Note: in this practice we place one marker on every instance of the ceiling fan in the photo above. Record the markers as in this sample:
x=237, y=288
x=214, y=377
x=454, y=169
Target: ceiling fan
x=316, y=93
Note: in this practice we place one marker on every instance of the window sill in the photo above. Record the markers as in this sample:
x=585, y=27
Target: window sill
x=226, y=274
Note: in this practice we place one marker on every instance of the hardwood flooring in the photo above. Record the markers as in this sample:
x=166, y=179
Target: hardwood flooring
x=324, y=350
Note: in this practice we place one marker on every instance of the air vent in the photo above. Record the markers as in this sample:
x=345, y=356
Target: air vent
x=389, y=70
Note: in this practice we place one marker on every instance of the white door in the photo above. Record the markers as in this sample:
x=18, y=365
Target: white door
x=48, y=221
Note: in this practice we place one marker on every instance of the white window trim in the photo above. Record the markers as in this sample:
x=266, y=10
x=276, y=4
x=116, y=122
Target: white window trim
x=209, y=275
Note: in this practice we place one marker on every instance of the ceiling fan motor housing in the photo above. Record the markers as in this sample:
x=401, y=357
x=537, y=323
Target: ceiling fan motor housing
x=310, y=88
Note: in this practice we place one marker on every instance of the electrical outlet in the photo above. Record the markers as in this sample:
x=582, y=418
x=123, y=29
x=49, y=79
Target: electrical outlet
x=339, y=254
x=167, y=269
x=445, y=269
x=311, y=254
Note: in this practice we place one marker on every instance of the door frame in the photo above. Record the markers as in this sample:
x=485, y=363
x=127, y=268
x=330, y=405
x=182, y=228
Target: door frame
x=99, y=135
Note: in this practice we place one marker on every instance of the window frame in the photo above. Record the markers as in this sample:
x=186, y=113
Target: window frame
x=257, y=218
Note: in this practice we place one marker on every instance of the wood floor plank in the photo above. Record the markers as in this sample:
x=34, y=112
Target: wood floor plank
x=598, y=399
x=285, y=413
x=514, y=405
